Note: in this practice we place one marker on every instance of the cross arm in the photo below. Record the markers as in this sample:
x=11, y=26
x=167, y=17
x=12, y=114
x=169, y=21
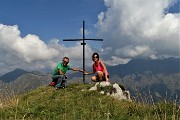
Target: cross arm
x=82, y=39
x=72, y=39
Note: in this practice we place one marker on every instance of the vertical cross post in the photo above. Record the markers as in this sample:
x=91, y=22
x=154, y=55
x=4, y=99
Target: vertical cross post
x=83, y=44
x=83, y=51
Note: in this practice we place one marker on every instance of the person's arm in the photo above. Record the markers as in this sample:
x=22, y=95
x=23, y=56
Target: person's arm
x=76, y=69
x=61, y=73
x=92, y=72
x=105, y=70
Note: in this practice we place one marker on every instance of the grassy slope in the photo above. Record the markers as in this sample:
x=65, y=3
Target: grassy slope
x=76, y=102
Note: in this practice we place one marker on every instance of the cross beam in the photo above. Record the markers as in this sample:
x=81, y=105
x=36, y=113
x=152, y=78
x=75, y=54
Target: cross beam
x=83, y=44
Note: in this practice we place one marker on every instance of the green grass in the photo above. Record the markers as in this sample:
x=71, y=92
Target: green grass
x=77, y=103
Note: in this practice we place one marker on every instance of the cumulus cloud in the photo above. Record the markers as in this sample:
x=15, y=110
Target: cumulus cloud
x=138, y=28
x=116, y=60
x=32, y=53
x=28, y=49
x=74, y=53
x=130, y=29
x=86, y=32
x=22, y=52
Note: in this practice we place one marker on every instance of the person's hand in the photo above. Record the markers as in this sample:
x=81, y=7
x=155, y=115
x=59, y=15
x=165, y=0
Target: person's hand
x=81, y=71
x=107, y=80
x=85, y=73
x=65, y=77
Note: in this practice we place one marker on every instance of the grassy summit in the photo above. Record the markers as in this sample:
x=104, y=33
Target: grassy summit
x=77, y=103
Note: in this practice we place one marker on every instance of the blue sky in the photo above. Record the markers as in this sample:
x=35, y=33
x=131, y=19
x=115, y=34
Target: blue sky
x=175, y=8
x=51, y=18
x=31, y=31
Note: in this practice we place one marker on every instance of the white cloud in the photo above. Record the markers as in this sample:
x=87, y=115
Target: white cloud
x=74, y=52
x=116, y=60
x=138, y=28
x=86, y=32
x=131, y=51
x=28, y=49
x=31, y=53
x=130, y=29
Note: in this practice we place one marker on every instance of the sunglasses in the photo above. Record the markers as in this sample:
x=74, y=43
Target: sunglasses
x=65, y=62
x=95, y=57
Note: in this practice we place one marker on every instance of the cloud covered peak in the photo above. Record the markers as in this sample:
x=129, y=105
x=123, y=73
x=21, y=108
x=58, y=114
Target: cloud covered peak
x=139, y=28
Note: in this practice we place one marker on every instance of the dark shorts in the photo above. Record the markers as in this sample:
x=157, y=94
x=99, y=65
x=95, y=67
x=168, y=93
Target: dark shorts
x=103, y=78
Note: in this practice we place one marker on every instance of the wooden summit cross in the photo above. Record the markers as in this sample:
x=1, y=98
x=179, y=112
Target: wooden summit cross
x=83, y=44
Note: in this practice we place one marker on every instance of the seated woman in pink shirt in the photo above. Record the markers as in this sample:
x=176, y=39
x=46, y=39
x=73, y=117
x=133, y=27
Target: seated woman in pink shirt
x=100, y=68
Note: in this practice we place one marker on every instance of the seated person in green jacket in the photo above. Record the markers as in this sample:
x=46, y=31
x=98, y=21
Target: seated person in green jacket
x=59, y=76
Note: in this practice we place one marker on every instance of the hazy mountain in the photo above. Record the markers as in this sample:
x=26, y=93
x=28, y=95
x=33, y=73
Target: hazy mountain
x=151, y=86
x=153, y=79
x=24, y=83
x=13, y=75
x=140, y=66
x=135, y=66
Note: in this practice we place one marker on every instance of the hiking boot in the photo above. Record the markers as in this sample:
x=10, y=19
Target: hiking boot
x=52, y=84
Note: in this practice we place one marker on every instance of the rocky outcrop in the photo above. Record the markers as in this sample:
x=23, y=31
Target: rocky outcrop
x=114, y=90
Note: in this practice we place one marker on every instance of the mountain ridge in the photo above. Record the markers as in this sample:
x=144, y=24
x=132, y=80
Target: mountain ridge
x=135, y=66
x=140, y=66
x=13, y=75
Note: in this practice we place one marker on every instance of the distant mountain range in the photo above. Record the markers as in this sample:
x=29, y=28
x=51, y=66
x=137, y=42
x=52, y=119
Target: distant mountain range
x=24, y=83
x=140, y=66
x=159, y=78
x=135, y=66
x=13, y=75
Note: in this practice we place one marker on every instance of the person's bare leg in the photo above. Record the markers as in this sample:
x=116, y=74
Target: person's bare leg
x=93, y=78
x=100, y=75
